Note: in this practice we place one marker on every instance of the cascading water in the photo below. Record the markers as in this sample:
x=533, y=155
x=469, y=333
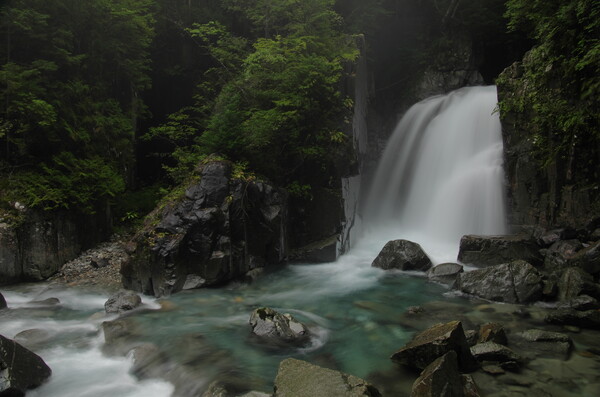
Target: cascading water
x=441, y=174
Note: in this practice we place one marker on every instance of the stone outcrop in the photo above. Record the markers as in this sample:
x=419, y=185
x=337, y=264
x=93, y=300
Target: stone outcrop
x=41, y=242
x=482, y=251
x=515, y=282
x=433, y=343
x=218, y=229
x=402, y=255
x=276, y=328
x=297, y=378
x=122, y=301
x=20, y=369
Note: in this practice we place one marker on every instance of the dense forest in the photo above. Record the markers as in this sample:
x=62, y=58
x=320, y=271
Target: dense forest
x=119, y=99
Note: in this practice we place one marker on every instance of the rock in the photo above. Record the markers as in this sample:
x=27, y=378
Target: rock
x=122, y=301
x=588, y=259
x=2, y=302
x=32, y=338
x=46, y=302
x=543, y=343
x=402, y=255
x=483, y=251
x=434, y=342
x=492, y=332
x=550, y=289
x=274, y=327
x=583, y=319
x=574, y=282
x=558, y=255
x=515, y=282
x=445, y=273
x=98, y=263
x=470, y=387
x=219, y=230
x=581, y=302
x=440, y=378
x=20, y=369
x=595, y=235
x=537, y=335
x=490, y=351
x=471, y=336
x=120, y=336
x=550, y=237
x=148, y=361
x=493, y=369
x=297, y=378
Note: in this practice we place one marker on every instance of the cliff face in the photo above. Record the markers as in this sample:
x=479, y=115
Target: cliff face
x=557, y=194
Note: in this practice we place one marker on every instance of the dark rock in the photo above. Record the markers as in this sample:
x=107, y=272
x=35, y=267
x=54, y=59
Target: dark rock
x=543, y=344
x=515, y=282
x=470, y=387
x=402, y=255
x=595, y=235
x=98, y=263
x=588, y=259
x=574, y=282
x=445, y=273
x=493, y=369
x=583, y=319
x=274, y=327
x=301, y=379
x=435, y=342
x=492, y=332
x=221, y=229
x=558, y=255
x=322, y=251
x=122, y=301
x=550, y=289
x=490, y=351
x=581, y=302
x=20, y=369
x=548, y=238
x=2, y=302
x=440, y=378
x=148, y=361
x=482, y=251
x=471, y=336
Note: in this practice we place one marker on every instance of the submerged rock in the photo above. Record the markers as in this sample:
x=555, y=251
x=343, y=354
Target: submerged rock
x=434, y=342
x=445, y=273
x=274, y=327
x=20, y=369
x=482, y=251
x=543, y=343
x=584, y=319
x=122, y=301
x=297, y=378
x=402, y=255
x=515, y=282
x=440, y=378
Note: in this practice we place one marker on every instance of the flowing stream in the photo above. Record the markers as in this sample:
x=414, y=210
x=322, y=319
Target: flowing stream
x=440, y=178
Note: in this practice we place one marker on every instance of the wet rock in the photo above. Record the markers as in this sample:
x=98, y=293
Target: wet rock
x=490, y=351
x=402, y=255
x=483, y=251
x=193, y=281
x=543, y=343
x=583, y=319
x=2, y=302
x=440, y=378
x=469, y=386
x=445, y=273
x=46, y=302
x=120, y=336
x=492, y=332
x=274, y=327
x=515, y=282
x=595, y=235
x=148, y=361
x=493, y=369
x=588, y=259
x=99, y=263
x=550, y=289
x=122, y=301
x=548, y=238
x=301, y=379
x=32, y=338
x=471, y=336
x=558, y=255
x=20, y=369
x=581, y=302
x=435, y=342
x=574, y=282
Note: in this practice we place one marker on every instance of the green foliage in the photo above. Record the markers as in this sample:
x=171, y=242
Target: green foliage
x=557, y=96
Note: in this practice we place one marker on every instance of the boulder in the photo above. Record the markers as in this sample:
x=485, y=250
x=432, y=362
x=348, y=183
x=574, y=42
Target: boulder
x=2, y=302
x=581, y=302
x=20, y=369
x=492, y=332
x=588, y=259
x=543, y=343
x=277, y=328
x=402, y=255
x=217, y=230
x=297, y=378
x=548, y=238
x=583, y=319
x=433, y=343
x=575, y=282
x=482, y=251
x=445, y=273
x=122, y=301
x=440, y=378
x=558, y=255
x=490, y=351
x=515, y=282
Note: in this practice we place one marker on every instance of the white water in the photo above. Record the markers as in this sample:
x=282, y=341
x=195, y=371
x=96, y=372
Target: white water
x=441, y=174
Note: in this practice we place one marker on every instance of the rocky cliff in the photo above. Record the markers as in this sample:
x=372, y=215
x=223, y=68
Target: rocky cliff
x=217, y=229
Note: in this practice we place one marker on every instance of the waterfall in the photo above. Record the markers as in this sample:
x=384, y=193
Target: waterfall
x=441, y=174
